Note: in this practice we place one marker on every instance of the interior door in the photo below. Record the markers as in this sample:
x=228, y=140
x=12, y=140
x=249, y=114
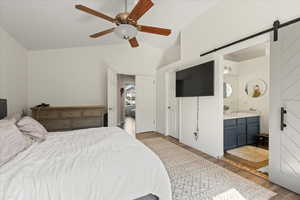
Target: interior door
x=172, y=118
x=145, y=104
x=285, y=96
x=112, y=97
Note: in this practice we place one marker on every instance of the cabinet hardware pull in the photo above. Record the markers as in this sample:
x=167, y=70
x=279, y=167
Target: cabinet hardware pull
x=283, y=112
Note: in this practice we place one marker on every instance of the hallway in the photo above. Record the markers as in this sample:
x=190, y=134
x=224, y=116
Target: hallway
x=129, y=126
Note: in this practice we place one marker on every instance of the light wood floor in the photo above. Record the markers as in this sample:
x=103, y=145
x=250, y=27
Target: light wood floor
x=283, y=194
x=250, y=164
x=247, y=165
x=239, y=163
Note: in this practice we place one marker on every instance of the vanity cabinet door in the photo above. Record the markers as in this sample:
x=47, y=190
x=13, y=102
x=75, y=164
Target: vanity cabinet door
x=230, y=138
x=252, y=132
x=242, y=135
x=241, y=131
x=230, y=134
x=253, y=129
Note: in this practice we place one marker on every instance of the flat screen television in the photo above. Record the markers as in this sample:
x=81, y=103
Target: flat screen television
x=196, y=81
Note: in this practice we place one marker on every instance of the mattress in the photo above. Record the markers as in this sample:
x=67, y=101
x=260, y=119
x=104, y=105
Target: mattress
x=89, y=164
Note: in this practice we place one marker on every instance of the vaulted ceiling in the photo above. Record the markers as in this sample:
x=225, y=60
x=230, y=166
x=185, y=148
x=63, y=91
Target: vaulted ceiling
x=52, y=24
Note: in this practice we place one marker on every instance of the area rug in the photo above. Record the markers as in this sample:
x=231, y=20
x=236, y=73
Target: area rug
x=250, y=153
x=195, y=178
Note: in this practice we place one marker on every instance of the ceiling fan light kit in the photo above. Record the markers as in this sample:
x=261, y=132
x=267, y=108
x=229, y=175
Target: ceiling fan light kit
x=126, y=31
x=127, y=26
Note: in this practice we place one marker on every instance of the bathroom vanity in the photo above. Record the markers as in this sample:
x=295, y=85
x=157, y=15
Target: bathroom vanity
x=240, y=129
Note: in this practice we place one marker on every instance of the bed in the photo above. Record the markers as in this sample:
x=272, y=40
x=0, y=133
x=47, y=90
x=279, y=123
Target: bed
x=88, y=164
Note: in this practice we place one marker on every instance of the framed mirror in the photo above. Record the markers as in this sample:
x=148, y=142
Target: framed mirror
x=227, y=90
x=256, y=88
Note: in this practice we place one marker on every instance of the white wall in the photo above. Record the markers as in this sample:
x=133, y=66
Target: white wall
x=2, y=80
x=210, y=119
x=171, y=55
x=233, y=100
x=231, y=78
x=230, y=20
x=211, y=110
x=77, y=76
x=248, y=71
x=13, y=73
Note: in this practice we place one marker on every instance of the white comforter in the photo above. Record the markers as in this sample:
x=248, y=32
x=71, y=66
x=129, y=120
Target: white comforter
x=90, y=164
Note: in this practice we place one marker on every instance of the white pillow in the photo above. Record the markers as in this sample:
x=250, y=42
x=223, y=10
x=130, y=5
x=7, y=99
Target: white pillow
x=12, y=141
x=33, y=128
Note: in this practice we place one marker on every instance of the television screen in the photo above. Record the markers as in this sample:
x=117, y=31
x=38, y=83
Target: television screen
x=196, y=81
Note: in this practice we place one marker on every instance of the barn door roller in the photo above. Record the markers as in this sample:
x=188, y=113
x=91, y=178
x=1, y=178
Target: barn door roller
x=276, y=26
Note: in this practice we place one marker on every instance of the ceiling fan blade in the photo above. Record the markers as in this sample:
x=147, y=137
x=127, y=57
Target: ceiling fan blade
x=133, y=42
x=96, y=35
x=95, y=13
x=155, y=30
x=140, y=9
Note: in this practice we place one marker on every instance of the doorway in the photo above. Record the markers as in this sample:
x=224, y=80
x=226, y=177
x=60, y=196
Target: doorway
x=246, y=108
x=131, y=102
x=126, y=101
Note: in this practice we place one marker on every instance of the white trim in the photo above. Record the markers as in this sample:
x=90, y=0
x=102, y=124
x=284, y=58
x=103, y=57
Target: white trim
x=176, y=110
x=166, y=79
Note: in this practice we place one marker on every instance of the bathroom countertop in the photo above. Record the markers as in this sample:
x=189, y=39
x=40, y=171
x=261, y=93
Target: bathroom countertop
x=237, y=115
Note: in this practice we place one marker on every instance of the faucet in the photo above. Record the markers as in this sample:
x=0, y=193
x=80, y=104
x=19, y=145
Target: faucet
x=252, y=109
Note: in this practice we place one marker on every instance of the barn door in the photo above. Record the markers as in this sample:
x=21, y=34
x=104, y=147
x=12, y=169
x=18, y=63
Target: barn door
x=285, y=108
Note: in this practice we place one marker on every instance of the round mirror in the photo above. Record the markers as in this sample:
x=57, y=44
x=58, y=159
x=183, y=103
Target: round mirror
x=227, y=90
x=256, y=88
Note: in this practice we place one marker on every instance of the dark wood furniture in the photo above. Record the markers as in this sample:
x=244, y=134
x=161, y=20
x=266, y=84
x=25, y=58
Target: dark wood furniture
x=262, y=140
x=69, y=118
x=241, y=131
x=3, y=108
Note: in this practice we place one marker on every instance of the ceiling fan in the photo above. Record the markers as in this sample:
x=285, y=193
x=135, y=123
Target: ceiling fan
x=127, y=23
